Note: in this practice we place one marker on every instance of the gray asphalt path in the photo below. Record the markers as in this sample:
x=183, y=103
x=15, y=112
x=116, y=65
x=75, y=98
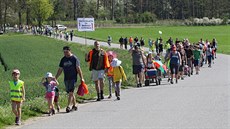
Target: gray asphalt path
x=198, y=102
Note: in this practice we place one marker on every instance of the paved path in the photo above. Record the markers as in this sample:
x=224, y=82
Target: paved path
x=199, y=102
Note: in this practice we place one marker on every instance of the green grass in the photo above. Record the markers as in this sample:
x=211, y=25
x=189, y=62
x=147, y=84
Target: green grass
x=34, y=56
x=193, y=33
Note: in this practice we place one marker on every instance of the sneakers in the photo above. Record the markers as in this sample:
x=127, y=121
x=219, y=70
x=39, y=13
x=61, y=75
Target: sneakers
x=74, y=108
x=102, y=95
x=17, y=121
x=98, y=97
x=58, y=109
x=118, y=98
x=110, y=96
x=68, y=109
x=176, y=80
x=171, y=81
x=53, y=112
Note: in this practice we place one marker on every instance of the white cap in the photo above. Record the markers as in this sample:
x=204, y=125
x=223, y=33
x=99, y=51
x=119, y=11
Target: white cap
x=48, y=74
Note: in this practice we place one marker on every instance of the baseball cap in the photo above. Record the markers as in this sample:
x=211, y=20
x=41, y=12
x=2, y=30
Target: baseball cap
x=48, y=74
x=16, y=71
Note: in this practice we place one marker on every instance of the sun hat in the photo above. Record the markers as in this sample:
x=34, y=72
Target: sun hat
x=16, y=71
x=48, y=74
x=111, y=53
x=115, y=62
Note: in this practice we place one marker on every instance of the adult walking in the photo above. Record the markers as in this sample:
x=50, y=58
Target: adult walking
x=71, y=35
x=98, y=64
x=175, y=62
x=138, y=64
x=70, y=64
x=121, y=41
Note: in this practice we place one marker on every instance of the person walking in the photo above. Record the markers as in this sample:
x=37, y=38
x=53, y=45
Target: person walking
x=175, y=62
x=126, y=42
x=121, y=41
x=98, y=64
x=197, y=56
x=50, y=83
x=17, y=93
x=138, y=64
x=70, y=64
x=109, y=40
x=71, y=35
x=131, y=42
x=209, y=55
x=110, y=73
x=118, y=76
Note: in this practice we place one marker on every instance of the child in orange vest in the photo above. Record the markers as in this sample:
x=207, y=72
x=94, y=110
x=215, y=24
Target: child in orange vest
x=110, y=73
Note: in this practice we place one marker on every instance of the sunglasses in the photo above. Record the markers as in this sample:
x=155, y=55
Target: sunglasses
x=15, y=73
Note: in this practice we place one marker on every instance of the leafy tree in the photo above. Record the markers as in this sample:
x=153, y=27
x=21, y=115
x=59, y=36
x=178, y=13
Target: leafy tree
x=41, y=10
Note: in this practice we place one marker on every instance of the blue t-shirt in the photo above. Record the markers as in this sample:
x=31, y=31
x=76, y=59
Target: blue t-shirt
x=69, y=65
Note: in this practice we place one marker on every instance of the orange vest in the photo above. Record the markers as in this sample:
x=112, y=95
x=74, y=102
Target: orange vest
x=106, y=60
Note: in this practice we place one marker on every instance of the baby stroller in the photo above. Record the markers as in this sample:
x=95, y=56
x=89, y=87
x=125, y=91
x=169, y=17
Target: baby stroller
x=151, y=76
x=187, y=70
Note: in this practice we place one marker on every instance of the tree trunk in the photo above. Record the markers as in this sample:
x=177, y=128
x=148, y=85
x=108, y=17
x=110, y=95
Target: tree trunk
x=112, y=10
x=0, y=14
x=5, y=12
x=98, y=4
x=74, y=9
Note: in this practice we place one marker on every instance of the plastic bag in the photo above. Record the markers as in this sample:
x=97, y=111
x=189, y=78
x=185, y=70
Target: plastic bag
x=85, y=87
x=82, y=89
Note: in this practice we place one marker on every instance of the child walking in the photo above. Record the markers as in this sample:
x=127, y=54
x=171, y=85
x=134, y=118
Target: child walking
x=17, y=93
x=50, y=84
x=118, y=76
x=110, y=72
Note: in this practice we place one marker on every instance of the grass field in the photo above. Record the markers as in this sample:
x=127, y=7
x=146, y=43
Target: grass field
x=193, y=33
x=34, y=56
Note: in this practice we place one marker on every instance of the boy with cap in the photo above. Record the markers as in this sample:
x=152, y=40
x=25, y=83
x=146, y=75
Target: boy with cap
x=17, y=93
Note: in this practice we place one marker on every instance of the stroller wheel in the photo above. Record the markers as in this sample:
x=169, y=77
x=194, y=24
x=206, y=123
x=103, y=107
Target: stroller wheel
x=159, y=81
x=147, y=82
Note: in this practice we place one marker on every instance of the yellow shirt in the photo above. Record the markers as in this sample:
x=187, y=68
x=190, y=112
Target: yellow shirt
x=118, y=74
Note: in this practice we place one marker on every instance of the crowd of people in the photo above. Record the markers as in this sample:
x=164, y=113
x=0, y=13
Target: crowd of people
x=180, y=58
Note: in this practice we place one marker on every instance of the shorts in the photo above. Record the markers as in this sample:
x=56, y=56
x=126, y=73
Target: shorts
x=181, y=68
x=138, y=69
x=196, y=63
x=97, y=74
x=174, y=66
x=16, y=104
x=50, y=95
x=70, y=85
x=56, y=99
x=190, y=62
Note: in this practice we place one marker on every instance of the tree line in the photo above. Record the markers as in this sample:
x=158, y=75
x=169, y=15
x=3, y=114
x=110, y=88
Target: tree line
x=122, y=11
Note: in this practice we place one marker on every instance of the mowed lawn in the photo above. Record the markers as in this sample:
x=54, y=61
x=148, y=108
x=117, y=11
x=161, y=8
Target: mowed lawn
x=193, y=33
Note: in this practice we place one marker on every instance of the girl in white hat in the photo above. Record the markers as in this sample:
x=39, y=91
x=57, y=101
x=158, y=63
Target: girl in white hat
x=50, y=84
x=118, y=76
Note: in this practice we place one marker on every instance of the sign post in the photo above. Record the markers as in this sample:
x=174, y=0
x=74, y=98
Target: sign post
x=85, y=24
